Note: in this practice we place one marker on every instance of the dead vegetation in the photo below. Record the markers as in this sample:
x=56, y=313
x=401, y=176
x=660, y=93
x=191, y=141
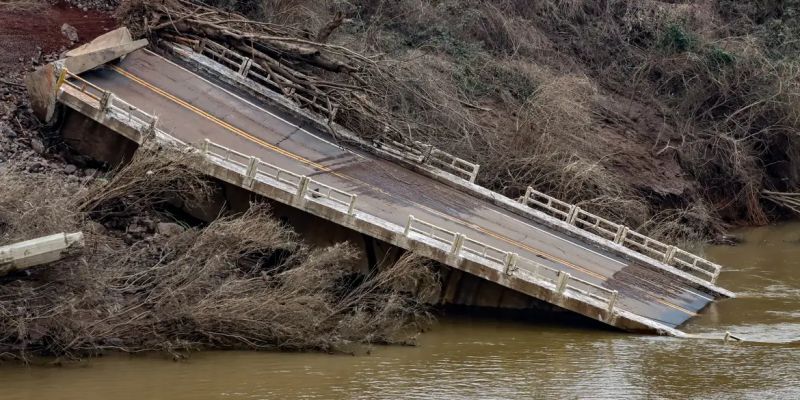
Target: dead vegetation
x=642, y=111
x=241, y=282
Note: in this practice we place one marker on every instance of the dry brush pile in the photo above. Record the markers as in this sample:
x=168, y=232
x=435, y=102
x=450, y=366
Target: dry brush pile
x=644, y=111
x=241, y=282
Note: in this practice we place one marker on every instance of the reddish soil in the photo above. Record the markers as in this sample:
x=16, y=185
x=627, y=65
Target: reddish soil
x=23, y=29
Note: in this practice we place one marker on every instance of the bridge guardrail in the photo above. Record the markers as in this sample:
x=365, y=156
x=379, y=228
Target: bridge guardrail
x=305, y=188
x=511, y=263
x=106, y=99
x=622, y=235
x=416, y=150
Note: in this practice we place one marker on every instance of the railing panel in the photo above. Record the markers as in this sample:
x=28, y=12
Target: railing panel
x=279, y=174
x=598, y=225
x=132, y=112
x=432, y=231
x=622, y=235
x=321, y=190
x=484, y=251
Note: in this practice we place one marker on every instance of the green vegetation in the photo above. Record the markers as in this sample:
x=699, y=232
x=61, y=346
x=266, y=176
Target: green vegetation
x=677, y=40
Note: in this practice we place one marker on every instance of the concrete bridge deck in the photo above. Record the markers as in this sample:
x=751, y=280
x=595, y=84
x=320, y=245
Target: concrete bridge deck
x=192, y=109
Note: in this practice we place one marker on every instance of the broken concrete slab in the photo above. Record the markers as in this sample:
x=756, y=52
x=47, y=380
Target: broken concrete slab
x=42, y=83
x=104, y=48
x=43, y=250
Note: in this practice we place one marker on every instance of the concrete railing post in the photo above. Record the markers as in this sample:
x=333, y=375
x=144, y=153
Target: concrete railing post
x=510, y=263
x=407, y=230
x=669, y=254
x=302, y=187
x=244, y=67
x=573, y=214
x=206, y=145
x=622, y=232
x=524, y=199
x=612, y=302
x=458, y=243
x=561, y=283
x=351, y=209
x=250, y=174
x=105, y=100
x=474, y=174
x=427, y=155
x=151, y=126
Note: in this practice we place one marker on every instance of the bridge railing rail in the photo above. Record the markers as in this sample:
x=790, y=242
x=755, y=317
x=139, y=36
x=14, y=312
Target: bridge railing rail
x=417, y=151
x=106, y=99
x=620, y=234
x=82, y=85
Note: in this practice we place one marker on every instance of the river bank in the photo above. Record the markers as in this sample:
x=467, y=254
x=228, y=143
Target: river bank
x=481, y=358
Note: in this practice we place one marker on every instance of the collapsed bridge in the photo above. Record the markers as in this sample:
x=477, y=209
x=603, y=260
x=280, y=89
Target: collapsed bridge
x=212, y=100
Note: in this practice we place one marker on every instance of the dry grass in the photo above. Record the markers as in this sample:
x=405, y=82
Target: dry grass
x=241, y=282
x=522, y=88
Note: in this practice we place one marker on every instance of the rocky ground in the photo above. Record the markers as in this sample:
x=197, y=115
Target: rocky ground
x=30, y=35
x=26, y=145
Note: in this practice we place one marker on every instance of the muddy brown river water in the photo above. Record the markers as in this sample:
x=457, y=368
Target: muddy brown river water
x=480, y=358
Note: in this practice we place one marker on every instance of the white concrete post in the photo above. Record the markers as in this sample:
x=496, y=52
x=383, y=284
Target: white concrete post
x=622, y=233
x=408, y=225
x=244, y=67
x=151, y=127
x=510, y=263
x=669, y=254
x=302, y=187
x=252, y=168
x=427, y=155
x=561, y=284
x=352, y=208
x=573, y=214
x=716, y=274
x=612, y=302
x=206, y=145
x=458, y=243
x=524, y=199
x=474, y=174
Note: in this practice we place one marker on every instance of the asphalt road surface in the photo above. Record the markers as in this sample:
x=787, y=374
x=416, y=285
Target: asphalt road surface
x=192, y=108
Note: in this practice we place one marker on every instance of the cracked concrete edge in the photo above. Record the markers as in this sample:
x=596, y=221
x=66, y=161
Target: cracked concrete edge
x=41, y=83
x=278, y=101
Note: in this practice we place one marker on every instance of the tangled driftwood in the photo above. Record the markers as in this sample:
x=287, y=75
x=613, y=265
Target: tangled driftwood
x=325, y=78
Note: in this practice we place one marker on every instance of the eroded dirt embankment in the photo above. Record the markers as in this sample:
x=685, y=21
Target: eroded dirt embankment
x=32, y=29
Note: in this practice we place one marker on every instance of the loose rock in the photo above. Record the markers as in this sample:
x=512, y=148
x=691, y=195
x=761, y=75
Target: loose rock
x=169, y=228
x=69, y=32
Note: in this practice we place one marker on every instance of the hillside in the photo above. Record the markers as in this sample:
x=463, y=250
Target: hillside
x=672, y=116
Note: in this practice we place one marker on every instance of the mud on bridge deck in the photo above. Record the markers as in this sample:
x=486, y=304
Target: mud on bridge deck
x=409, y=195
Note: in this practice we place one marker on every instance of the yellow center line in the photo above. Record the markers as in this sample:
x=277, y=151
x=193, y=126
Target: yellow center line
x=263, y=143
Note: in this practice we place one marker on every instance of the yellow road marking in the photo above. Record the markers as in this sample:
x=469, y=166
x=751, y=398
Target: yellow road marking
x=263, y=143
